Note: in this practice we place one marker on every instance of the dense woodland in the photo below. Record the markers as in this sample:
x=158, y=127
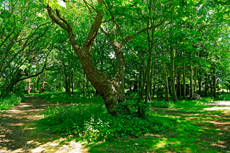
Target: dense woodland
x=151, y=48
x=125, y=64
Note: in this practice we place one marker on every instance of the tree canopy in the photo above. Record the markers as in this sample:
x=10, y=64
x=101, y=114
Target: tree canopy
x=169, y=48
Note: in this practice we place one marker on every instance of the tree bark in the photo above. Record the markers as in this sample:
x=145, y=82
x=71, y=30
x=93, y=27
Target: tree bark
x=165, y=76
x=43, y=83
x=39, y=77
x=214, y=82
x=173, y=75
x=67, y=85
x=199, y=83
x=184, y=83
x=29, y=87
x=111, y=89
x=206, y=85
x=210, y=85
x=179, y=84
x=14, y=81
x=191, y=81
x=195, y=79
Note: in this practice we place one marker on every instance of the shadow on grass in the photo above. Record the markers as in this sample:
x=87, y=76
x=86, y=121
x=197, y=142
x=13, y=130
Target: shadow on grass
x=189, y=128
x=18, y=131
x=190, y=131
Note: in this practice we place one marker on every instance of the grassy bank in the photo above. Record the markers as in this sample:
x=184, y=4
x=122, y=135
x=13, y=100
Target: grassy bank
x=10, y=100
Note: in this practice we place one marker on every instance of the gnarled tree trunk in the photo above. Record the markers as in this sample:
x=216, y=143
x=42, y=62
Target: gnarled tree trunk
x=111, y=89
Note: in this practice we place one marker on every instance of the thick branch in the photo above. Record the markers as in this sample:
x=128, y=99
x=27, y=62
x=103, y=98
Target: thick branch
x=7, y=37
x=94, y=29
x=58, y=14
x=34, y=74
x=56, y=20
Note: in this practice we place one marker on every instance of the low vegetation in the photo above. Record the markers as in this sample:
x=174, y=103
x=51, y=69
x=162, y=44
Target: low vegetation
x=10, y=100
x=185, y=126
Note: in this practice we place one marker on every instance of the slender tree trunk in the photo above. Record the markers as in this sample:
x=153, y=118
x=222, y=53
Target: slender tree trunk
x=154, y=88
x=34, y=85
x=184, y=83
x=147, y=88
x=210, y=85
x=150, y=84
x=72, y=86
x=39, y=77
x=214, y=82
x=191, y=81
x=206, y=85
x=140, y=77
x=135, y=86
x=43, y=83
x=195, y=79
x=169, y=84
x=29, y=87
x=179, y=84
x=165, y=76
x=173, y=76
x=199, y=83
x=67, y=85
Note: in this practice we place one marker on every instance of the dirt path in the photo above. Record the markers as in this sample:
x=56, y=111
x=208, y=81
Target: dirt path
x=18, y=133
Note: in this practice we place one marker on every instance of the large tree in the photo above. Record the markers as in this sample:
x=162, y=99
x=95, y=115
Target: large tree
x=111, y=89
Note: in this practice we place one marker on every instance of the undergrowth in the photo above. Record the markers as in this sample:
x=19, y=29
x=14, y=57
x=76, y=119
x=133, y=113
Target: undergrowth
x=182, y=126
x=93, y=123
x=10, y=100
x=61, y=97
x=223, y=96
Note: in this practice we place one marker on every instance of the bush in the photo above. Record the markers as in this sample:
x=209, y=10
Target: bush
x=223, y=96
x=93, y=123
x=9, y=101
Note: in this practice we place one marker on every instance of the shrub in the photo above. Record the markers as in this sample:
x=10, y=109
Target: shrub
x=93, y=123
x=223, y=96
x=9, y=101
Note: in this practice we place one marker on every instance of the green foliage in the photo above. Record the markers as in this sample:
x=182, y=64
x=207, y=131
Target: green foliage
x=223, y=96
x=10, y=100
x=184, y=126
x=61, y=97
x=92, y=123
x=183, y=104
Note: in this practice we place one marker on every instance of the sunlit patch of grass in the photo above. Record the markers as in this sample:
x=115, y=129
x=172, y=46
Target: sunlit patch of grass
x=181, y=104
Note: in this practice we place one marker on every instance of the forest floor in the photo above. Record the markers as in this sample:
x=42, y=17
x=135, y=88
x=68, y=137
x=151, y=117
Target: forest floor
x=18, y=132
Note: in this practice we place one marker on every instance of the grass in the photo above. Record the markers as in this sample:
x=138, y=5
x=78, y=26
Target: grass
x=184, y=126
x=10, y=101
x=60, y=97
x=223, y=96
